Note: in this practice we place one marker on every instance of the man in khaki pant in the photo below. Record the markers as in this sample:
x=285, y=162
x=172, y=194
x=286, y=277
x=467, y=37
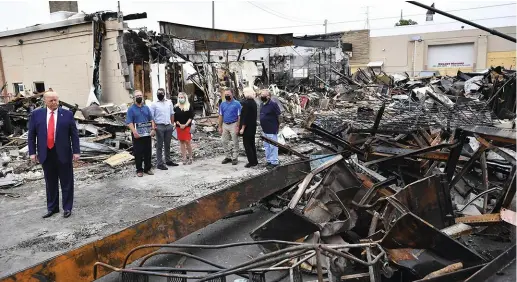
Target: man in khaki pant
x=229, y=118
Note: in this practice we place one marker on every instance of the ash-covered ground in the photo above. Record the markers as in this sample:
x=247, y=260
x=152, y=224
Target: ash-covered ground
x=107, y=200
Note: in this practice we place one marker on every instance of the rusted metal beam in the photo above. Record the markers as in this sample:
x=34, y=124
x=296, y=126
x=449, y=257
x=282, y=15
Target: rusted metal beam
x=480, y=219
x=426, y=136
x=466, y=167
x=285, y=147
x=203, y=45
x=450, y=167
x=493, y=133
x=436, y=156
x=228, y=36
x=409, y=154
x=495, y=149
x=428, y=163
x=167, y=227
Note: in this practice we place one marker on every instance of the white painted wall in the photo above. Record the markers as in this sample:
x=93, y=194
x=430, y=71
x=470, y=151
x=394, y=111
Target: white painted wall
x=63, y=59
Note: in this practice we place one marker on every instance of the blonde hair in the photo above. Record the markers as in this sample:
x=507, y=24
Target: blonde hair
x=186, y=106
x=249, y=93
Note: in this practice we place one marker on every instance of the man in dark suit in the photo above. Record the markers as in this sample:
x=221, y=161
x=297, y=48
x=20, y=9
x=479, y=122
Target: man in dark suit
x=54, y=142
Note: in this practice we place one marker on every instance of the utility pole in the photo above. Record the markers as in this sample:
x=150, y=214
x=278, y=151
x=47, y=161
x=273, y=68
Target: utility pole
x=119, y=15
x=213, y=14
x=325, y=23
x=213, y=26
x=367, y=17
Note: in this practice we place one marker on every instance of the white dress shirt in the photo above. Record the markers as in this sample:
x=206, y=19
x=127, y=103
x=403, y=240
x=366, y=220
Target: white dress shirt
x=55, y=120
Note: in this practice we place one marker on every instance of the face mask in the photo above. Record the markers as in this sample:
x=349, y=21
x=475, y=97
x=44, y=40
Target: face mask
x=138, y=100
x=182, y=100
x=227, y=97
x=264, y=99
x=161, y=96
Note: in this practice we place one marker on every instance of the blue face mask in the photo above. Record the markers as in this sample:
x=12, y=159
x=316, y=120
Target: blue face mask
x=182, y=100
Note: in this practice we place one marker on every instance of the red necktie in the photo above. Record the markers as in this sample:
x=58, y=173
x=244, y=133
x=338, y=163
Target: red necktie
x=50, y=131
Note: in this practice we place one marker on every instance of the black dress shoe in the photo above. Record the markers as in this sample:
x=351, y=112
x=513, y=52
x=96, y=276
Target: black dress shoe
x=271, y=166
x=162, y=167
x=248, y=165
x=170, y=163
x=67, y=214
x=50, y=213
x=226, y=161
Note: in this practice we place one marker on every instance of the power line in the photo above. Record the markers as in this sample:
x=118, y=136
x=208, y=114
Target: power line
x=513, y=16
x=272, y=12
x=276, y=13
x=383, y=18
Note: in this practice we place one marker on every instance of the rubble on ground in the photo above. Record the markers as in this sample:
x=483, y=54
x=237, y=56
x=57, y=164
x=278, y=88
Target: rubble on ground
x=410, y=179
x=424, y=167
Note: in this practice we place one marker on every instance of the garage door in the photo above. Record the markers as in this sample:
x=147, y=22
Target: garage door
x=451, y=57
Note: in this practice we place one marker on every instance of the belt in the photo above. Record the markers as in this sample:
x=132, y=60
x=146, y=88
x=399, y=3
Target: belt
x=230, y=122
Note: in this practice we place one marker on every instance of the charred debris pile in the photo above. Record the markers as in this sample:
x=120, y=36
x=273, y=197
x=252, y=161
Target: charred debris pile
x=407, y=179
x=414, y=178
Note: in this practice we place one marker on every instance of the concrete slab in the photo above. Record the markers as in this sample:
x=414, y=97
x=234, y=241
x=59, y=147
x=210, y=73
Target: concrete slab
x=102, y=207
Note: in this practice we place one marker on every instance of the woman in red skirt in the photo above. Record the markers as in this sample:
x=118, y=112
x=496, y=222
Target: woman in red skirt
x=183, y=116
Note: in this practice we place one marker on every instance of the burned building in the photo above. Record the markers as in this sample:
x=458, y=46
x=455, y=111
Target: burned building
x=75, y=54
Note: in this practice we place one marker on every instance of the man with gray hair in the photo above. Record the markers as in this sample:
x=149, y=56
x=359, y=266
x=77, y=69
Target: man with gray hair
x=270, y=123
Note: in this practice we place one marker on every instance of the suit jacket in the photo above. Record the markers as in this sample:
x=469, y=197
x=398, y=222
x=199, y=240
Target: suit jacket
x=66, y=141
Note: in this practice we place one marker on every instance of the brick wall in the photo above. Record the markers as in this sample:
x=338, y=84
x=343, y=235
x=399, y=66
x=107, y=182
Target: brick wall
x=70, y=6
x=360, y=40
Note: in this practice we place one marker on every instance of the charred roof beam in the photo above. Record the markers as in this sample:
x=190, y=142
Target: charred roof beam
x=219, y=35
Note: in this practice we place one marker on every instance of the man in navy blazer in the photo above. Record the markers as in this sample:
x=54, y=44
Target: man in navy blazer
x=54, y=142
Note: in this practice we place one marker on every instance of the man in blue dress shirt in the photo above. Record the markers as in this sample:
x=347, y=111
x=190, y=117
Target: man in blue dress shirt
x=229, y=119
x=140, y=120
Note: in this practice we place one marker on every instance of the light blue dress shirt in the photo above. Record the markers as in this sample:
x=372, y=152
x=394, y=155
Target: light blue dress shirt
x=162, y=111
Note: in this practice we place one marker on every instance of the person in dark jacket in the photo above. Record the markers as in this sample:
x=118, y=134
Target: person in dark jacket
x=270, y=123
x=249, y=126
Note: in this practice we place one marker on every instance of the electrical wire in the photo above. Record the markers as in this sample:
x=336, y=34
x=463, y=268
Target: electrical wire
x=383, y=18
x=512, y=16
x=275, y=13
x=479, y=195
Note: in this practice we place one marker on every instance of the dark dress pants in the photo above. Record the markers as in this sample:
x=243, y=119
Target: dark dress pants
x=142, y=151
x=248, y=140
x=55, y=171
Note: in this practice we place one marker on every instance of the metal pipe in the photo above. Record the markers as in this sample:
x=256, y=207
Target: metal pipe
x=491, y=31
x=318, y=265
x=267, y=259
x=205, y=246
x=484, y=181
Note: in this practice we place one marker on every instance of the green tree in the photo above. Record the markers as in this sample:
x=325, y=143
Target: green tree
x=405, y=22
